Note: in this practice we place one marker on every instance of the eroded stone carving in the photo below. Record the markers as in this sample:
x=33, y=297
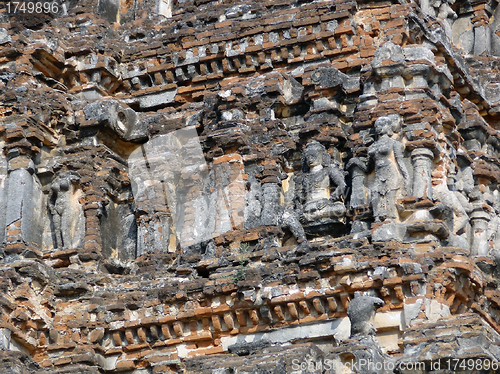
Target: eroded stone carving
x=274, y=213
x=320, y=188
x=391, y=176
x=361, y=313
x=22, y=202
x=363, y=344
x=117, y=117
x=289, y=219
x=3, y=186
x=451, y=209
x=66, y=212
x=441, y=9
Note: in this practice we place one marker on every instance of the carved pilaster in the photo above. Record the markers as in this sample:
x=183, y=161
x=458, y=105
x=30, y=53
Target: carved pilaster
x=422, y=162
x=23, y=205
x=479, y=219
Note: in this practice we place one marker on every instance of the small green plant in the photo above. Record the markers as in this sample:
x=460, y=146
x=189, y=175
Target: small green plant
x=241, y=272
x=244, y=247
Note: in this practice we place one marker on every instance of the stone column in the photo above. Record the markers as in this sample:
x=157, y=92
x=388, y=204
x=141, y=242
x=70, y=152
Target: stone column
x=270, y=214
x=91, y=205
x=194, y=207
x=231, y=190
x=271, y=197
x=482, y=40
x=479, y=220
x=359, y=194
x=422, y=160
x=359, y=203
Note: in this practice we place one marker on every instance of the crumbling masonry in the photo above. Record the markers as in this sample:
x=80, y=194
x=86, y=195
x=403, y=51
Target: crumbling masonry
x=226, y=186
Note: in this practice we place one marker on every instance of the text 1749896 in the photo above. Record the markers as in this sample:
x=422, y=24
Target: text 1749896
x=31, y=7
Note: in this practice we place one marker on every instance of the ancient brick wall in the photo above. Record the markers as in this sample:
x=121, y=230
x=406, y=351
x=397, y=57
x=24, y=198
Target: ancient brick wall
x=239, y=186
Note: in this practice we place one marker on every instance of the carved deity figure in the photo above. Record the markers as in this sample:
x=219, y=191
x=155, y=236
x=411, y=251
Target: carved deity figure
x=60, y=204
x=391, y=175
x=316, y=198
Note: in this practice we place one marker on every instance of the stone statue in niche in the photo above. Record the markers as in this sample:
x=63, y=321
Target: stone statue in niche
x=67, y=214
x=320, y=188
x=391, y=176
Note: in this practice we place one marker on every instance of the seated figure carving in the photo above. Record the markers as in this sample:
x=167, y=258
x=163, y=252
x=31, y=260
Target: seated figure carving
x=391, y=175
x=320, y=187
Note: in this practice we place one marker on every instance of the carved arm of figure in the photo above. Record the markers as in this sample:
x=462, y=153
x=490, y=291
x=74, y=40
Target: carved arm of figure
x=398, y=155
x=291, y=220
x=298, y=198
x=338, y=178
x=360, y=162
x=51, y=200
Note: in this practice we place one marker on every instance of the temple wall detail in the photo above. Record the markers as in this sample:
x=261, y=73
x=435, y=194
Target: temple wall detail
x=240, y=187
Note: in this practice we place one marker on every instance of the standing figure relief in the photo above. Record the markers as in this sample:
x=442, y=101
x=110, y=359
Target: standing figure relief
x=391, y=176
x=66, y=212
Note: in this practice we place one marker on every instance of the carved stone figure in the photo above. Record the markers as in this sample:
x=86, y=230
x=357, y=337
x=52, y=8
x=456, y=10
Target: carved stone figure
x=361, y=313
x=315, y=199
x=391, y=175
x=290, y=220
x=441, y=9
x=273, y=213
x=117, y=117
x=363, y=344
x=65, y=219
x=450, y=208
x=358, y=169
